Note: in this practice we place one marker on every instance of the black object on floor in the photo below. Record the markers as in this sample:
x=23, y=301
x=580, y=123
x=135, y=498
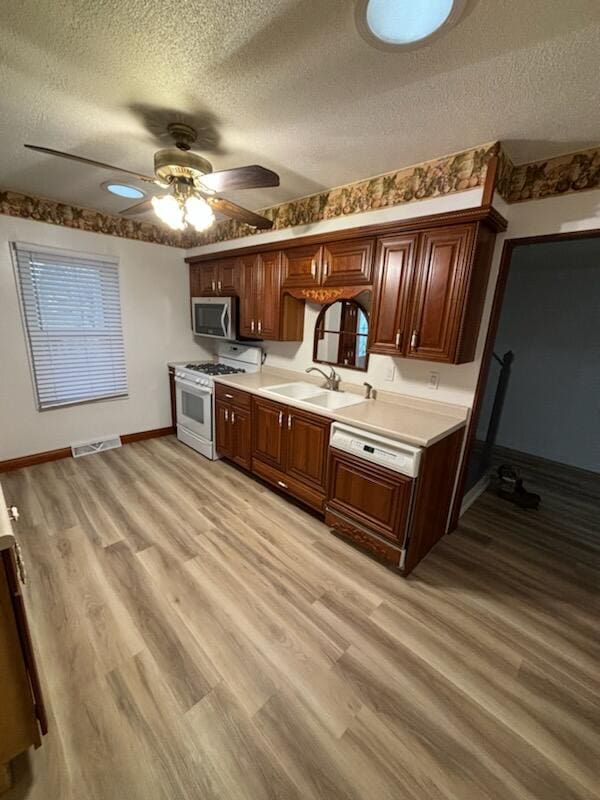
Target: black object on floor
x=511, y=488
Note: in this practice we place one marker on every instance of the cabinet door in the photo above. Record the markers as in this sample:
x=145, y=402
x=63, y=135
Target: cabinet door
x=348, y=263
x=268, y=441
x=370, y=495
x=306, y=447
x=227, y=283
x=268, y=299
x=301, y=266
x=439, y=293
x=393, y=277
x=223, y=438
x=241, y=437
x=249, y=277
x=205, y=279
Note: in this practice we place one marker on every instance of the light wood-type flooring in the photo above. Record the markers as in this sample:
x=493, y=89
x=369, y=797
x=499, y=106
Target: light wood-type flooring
x=200, y=637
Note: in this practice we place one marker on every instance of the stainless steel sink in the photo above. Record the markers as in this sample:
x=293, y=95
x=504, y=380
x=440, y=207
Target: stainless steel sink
x=315, y=396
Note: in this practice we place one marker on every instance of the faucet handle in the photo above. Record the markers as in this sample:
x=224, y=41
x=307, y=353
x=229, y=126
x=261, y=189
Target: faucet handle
x=368, y=390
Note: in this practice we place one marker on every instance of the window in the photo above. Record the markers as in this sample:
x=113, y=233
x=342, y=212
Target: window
x=72, y=317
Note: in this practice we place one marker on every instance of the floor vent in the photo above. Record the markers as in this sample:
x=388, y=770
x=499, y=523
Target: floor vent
x=87, y=448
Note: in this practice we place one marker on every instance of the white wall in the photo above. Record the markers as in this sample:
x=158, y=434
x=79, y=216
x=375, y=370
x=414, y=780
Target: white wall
x=156, y=329
x=550, y=320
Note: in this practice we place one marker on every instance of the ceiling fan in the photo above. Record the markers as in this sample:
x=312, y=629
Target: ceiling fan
x=193, y=185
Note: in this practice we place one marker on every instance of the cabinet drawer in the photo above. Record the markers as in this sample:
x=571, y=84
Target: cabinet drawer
x=234, y=397
x=290, y=485
x=380, y=549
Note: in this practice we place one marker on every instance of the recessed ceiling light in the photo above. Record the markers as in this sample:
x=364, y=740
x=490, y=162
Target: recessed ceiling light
x=124, y=190
x=405, y=24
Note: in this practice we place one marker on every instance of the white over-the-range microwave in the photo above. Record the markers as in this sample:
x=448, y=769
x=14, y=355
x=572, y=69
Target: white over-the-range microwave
x=214, y=317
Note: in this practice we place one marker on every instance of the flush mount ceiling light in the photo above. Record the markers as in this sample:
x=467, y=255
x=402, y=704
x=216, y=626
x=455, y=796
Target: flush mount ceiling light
x=405, y=24
x=124, y=190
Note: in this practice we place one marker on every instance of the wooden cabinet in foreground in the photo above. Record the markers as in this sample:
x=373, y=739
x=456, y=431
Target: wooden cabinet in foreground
x=233, y=425
x=22, y=714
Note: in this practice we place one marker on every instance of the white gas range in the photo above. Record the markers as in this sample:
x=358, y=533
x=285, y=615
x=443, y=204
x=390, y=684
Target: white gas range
x=195, y=389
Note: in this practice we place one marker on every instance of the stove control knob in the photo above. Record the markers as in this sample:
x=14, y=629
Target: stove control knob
x=197, y=380
x=205, y=382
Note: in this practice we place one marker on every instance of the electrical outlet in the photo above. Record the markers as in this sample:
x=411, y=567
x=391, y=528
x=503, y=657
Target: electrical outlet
x=390, y=373
x=434, y=380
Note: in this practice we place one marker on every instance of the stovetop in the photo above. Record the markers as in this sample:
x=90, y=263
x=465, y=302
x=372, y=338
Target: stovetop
x=209, y=368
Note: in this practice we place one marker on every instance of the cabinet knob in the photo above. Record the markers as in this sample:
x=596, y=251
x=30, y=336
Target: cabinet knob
x=226, y=414
x=260, y=325
x=289, y=422
x=212, y=285
x=282, y=484
x=219, y=285
x=252, y=326
x=414, y=340
x=281, y=419
x=398, y=338
x=228, y=396
x=233, y=417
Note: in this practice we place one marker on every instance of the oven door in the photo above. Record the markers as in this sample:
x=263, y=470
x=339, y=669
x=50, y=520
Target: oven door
x=213, y=316
x=194, y=409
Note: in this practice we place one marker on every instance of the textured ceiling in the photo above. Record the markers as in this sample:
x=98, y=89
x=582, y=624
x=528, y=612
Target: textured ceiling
x=285, y=83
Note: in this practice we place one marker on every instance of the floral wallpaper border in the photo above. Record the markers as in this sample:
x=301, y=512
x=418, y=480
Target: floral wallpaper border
x=574, y=172
x=42, y=209
x=565, y=174
x=441, y=176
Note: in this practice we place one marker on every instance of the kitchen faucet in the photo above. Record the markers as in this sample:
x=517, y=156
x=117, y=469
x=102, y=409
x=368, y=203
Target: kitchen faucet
x=332, y=381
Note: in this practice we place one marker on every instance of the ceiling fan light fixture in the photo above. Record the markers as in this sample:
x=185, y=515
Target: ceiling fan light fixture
x=198, y=213
x=169, y=211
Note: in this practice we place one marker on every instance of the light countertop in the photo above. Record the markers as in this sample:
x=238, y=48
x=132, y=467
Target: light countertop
x=417, y=422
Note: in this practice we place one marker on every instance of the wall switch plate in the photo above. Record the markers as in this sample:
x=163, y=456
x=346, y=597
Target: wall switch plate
x=434, y=380
x=390, y=372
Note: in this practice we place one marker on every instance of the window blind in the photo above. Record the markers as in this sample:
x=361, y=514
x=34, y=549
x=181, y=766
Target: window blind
x=72, y=317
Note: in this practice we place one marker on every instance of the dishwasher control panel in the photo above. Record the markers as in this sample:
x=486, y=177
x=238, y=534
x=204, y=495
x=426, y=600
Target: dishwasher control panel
x=386, y=452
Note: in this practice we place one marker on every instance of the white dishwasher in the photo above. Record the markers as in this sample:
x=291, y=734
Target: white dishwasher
x=372, y=487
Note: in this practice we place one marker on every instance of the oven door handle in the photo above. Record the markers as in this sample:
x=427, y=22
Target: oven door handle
x=193, y=387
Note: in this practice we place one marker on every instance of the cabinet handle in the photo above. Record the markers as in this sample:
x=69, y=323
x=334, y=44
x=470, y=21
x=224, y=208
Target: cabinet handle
x=233, y=417
x=219, y=285
x=282, y=484
x=326, y=268
x=289, y=422
x=228, y=396
x=313, y=267
x=260, y=325
x=414, y=340
x=226, y=414
x=212, y=285
x=398, y=338
x=252, y=326
x=281, y=419
x=13, y=513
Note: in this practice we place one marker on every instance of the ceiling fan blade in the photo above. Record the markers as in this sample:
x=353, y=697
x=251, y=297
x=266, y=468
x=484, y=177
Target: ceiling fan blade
x=251, y=177
x=89, y=161
x=138, y=208
x=240, y=214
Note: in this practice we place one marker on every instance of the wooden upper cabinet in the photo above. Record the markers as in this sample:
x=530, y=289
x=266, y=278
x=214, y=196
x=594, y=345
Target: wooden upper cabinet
x=440, y=286
x=306, y=447
x=268, y=301
x=348, y=263
x=301, y=266
x=395, y=260
x=249, y=282
x=268, y=441
x=227, y=277
x=203, y=279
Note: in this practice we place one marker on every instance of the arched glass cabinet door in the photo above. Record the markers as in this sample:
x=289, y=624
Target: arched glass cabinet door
x=341, y=335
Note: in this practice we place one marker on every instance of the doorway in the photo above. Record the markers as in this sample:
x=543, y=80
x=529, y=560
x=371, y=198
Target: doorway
x=537, y=405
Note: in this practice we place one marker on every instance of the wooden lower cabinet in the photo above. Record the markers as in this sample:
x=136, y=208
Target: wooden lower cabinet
x=233, y=426
x=393, y=517
x=290, y=449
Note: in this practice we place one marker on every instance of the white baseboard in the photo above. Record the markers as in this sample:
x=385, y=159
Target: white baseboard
x=474, y=492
